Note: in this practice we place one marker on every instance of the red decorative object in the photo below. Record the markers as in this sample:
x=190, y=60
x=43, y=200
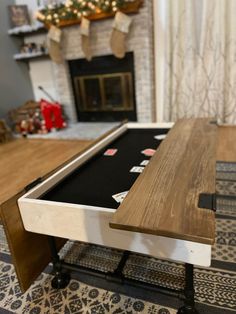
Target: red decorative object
x=52, y=114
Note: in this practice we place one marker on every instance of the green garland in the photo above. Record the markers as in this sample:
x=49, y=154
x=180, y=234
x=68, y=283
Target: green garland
x=76, y=9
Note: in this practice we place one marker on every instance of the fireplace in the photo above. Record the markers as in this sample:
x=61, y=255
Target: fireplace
x=104, y=88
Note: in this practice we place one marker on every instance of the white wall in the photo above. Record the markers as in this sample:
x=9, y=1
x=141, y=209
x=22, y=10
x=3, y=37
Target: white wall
x=15, y=86
x=40, y=71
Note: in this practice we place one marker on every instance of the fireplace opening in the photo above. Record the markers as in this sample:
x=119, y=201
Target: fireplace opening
x=104, y=88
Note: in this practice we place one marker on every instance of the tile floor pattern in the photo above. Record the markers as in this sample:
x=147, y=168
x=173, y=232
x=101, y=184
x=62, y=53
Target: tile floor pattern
x=77, y=298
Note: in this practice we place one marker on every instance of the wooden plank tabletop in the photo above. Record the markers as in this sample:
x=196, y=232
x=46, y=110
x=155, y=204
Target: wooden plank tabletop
x=226, y=148
x=164, y=199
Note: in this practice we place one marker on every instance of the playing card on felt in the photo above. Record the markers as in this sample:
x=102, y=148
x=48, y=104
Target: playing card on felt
x=160, y=137
x=148, y=152
x=144, y=162
x=120, y=196
x=110, y=152
x=136, y=169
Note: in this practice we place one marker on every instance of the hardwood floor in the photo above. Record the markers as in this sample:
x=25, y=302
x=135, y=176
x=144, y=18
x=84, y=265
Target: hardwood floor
x=24, y=160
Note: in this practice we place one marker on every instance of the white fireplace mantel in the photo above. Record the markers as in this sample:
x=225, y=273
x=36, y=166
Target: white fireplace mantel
x=55, y=78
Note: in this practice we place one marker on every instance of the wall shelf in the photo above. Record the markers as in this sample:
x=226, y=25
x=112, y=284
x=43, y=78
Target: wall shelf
x=27, y=30
x=30, y=56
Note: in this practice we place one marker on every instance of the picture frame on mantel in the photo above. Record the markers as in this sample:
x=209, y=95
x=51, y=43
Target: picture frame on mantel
x=18, y=15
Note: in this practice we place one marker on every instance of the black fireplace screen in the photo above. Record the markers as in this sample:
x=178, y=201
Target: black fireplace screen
x=104, y=88
x=105, y=92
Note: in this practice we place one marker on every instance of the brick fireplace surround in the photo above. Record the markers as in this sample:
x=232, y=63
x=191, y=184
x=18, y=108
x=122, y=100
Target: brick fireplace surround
x=139, y=40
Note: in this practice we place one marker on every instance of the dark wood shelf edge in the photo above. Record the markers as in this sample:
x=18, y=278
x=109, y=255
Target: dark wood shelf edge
x=131, y=8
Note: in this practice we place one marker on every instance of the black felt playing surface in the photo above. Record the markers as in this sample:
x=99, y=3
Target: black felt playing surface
x=95, y=182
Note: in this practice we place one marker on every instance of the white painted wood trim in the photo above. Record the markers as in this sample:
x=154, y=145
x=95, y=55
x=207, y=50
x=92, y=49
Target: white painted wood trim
x=87, y=224
x=156, y=125
x=52, y=204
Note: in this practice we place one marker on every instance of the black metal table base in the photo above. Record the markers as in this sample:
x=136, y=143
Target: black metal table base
x=189, y=303
x=187, y=310
x=62, y=278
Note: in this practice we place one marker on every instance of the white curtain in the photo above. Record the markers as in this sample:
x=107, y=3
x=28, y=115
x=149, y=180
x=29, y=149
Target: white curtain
x=200, y=59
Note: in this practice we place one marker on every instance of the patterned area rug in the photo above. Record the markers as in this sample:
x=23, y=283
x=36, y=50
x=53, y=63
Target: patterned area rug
x=215, y=286
x=226, y=178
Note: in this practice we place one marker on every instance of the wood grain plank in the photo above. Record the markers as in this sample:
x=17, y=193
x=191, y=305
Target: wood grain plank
x=164, y=199
x=29, y=251
x=226, y=148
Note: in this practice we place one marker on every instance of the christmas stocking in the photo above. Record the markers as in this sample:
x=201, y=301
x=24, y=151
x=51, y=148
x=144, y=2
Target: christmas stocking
x=85, y=38
x=119, y=33
x=54, y=47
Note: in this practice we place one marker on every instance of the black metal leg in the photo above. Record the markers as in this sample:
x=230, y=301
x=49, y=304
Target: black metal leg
x=117, y=275
x=189, y=304
x=61, y=279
